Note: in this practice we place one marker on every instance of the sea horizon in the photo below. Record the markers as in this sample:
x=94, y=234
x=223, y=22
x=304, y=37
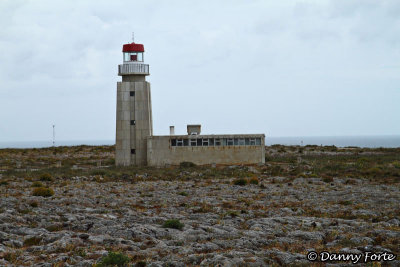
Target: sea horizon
x=388, y=141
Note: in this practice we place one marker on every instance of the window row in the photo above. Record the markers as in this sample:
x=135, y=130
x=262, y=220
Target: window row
x=216, y=142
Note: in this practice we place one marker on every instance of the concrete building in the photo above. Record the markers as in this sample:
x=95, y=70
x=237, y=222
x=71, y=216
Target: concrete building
x=135, y=143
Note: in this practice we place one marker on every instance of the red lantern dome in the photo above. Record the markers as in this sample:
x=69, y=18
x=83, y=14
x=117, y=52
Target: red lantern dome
x=133, y=47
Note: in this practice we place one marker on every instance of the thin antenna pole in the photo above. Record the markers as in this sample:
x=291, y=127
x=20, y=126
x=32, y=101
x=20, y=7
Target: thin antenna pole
x=133, y=37
x=54, y=134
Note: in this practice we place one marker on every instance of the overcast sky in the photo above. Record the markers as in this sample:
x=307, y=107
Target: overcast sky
x=283, y=68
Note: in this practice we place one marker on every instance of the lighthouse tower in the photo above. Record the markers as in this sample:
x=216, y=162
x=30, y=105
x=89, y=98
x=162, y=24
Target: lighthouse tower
x=134, y=119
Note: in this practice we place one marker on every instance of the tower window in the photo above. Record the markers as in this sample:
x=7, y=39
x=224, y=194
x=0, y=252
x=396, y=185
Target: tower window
x=133, y=122
x=133, y=151
x=132, y=93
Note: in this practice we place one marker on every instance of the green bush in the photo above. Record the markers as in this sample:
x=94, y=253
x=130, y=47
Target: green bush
x=254, y=180
x=114, y=259
x=46, y=177
x=327, y=179
x=140, y=264
x=345, y=202
x=174, y=224
x=37, y=184
x=240, y=182
x=183, y=194
x=43, y=192
x=34, y=204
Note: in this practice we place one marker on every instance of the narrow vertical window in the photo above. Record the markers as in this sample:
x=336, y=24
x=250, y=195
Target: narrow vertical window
x=132, y=93
x=133, y=151
x=133, y=122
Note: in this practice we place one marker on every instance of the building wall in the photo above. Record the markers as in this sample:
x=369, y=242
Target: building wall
x=161, y=153
x=135, y=108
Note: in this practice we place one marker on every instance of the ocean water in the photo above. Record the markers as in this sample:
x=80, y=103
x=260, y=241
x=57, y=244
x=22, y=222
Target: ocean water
x=40, y=144
x=339, y=141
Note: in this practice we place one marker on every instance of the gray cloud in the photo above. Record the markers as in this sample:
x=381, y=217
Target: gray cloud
x=279, y=67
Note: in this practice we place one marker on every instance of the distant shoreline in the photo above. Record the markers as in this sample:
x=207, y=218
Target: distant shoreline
x=388, y=141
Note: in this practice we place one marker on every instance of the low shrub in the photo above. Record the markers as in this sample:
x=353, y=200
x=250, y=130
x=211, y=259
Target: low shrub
x=114, y=259
x=43, y=192
x=233, y=214
x=327, y=179
x=240, y=182
x=34, y=204
x=37, y=184
x=345, y=202
x=173, y=224
x=187, y=164
x=54, y=228
x=32, y=241
x=140, y=264
x=254, y=180
x=46, y=177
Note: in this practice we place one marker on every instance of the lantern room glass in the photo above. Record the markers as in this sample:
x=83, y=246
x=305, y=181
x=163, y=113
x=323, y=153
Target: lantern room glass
x=133, y=56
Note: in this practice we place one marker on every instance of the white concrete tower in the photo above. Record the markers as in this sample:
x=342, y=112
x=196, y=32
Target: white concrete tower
x=134, y=118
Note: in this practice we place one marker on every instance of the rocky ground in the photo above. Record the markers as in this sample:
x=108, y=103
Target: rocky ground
x=270, y=220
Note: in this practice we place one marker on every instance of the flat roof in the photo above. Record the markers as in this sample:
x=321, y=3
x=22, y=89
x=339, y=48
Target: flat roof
x=212, y=136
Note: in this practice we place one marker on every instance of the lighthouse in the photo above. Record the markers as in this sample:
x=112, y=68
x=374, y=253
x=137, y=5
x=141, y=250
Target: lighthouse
x=134, y=117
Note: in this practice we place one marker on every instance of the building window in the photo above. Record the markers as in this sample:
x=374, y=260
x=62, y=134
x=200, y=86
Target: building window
x=241, y=142
x=229, y=142
x=199, y=142
x=211, y=142
x=252, y=141
x=217, y=142
x=247, y=141
x=133, y=151
x=193, y=142
x=133, y=56
x=258, y=141
x=179, y=142
x=133, y=122
x=205, y=142
x=132, y=93
x=173, y=142
x=185, y=142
